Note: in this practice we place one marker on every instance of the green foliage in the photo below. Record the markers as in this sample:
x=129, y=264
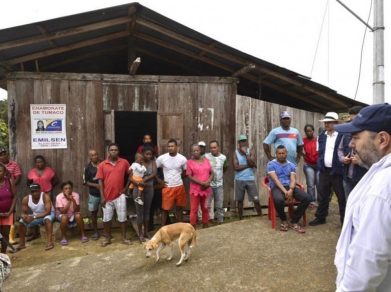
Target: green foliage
x=3, y=123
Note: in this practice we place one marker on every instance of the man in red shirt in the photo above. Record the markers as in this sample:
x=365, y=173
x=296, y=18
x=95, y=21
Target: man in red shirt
x=111, y=174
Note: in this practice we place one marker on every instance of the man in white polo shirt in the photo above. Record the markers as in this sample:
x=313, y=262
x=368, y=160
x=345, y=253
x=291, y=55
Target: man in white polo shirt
x=173, y=194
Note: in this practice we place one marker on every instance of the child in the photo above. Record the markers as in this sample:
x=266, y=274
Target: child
x=138, y=171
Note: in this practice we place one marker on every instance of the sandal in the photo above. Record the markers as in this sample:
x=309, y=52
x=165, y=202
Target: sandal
x=284, y=227
x=95, y=236
x=84, y=239
x=19, y=248
x=105, y=242
x=49, y=246
x=64, y=242
x=298, y=228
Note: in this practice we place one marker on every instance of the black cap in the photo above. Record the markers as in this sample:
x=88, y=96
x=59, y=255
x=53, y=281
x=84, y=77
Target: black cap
x=375, y=118
x=34, y=187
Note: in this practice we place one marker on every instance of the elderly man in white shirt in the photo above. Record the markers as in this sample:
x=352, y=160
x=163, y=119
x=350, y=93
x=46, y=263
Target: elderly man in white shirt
x=363, y=255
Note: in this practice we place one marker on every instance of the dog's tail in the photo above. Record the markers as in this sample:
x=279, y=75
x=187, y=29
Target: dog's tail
x=194, y=239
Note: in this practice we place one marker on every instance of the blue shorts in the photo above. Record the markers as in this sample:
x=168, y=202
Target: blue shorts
x=93, y=203
x=38, y=221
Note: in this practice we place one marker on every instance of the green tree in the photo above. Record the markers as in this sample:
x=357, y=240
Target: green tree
x=4, y=123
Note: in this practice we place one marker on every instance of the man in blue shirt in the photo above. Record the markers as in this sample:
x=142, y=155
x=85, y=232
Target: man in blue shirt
x=285, y=135
x=282, y=174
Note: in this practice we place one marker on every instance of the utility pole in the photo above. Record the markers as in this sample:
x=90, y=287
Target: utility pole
x=378, y=52
x=378, y=48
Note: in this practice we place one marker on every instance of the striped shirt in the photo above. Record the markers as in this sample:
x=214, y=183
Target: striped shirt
x=14, y=168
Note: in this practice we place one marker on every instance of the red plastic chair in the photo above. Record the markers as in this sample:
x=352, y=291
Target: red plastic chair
x=272, y=214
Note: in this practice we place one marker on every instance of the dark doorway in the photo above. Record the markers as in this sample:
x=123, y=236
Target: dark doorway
x=130, y=127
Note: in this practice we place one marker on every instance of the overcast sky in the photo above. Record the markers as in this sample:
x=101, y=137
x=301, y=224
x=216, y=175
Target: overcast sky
x=283, y=32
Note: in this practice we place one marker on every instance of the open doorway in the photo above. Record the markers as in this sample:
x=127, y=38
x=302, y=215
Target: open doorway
x=130, y=127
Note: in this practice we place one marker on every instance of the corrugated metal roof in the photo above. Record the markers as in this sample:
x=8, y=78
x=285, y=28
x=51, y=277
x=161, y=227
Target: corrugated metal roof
x=99, y=41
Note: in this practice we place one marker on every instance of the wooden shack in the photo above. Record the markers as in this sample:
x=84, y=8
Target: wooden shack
x=187, y=86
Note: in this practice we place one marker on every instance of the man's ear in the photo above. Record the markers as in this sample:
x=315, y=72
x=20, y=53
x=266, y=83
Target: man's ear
x=384, y=140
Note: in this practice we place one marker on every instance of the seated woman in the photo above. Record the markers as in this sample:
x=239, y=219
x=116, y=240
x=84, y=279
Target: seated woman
x=68, y=212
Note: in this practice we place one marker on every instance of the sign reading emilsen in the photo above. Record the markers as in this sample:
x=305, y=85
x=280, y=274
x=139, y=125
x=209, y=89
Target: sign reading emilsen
x=48, y=126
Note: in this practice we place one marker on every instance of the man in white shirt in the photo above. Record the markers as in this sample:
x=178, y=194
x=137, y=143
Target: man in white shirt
x=330, y=170
x=363, y=256
x=173, y=194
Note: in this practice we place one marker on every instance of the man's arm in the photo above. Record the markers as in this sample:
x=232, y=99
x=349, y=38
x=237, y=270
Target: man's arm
x=369, y=252
x=25, y=210
x=267, y=149
x=299, y=153
x=236, y=164
x=252, y=158
x=102, y=197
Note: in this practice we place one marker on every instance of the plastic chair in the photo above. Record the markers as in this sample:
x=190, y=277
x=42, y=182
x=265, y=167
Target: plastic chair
x=272, y=213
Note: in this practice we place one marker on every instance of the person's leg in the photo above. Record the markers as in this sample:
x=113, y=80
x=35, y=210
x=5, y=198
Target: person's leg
x=148, y=198
x=211, y=204
x=239, y=196
x=279, y=203
x=179, y=196
x=93, y=206
x=164, y=217
x=252, y=192
x=218, y=202
x=304, y=200
x=4, y=230
x=310, y=177
x=120, y=208
x=64, y=226
x=194, y=203
x=204, y=209
x=337, y=182
x=49, y=233
x=140, y=215
x=108, y=212
x=168, y=201
x=324, y=194
x=179, y=214
x=22, y=234
x=80, y=224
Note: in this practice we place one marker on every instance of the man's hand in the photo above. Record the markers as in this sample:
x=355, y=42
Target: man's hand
x=347, y=159
x=354, y=160
x=103, y=203
x=289, y=195
x=27, y=218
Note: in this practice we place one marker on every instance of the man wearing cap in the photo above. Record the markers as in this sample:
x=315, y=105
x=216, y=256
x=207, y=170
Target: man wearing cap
x=202, y=146
x=37, y=209
x=244, y=163
x=285, y=135
x=363, y=253
x=330, y=170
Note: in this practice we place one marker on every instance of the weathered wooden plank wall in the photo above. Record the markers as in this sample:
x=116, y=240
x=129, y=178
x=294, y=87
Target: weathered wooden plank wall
x=256, y=118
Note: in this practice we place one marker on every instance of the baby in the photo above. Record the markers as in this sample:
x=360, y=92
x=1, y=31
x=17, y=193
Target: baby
x=138, y=170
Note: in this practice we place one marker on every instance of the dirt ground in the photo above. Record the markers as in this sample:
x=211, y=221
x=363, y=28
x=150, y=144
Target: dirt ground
x=242, y=255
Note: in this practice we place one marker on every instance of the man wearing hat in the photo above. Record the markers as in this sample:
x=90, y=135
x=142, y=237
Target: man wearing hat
x=37, y=209
x=244, y=163
x=202, y=146
x=330, y=170
x=363, y=256
x=285, y=135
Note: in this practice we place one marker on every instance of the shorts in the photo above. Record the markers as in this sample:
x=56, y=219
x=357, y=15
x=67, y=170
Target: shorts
x=93, y=203
x=38, y=221
x=137, y=179
x=7, y=220
x=119, y=205
x=240, y=188
x=173, y=196
x=71, y=219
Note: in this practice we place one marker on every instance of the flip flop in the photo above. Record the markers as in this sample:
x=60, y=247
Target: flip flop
x=49, y=246
x=64, y=242
x=19, y=248
x=298, y=228
x=284, y=227
x=95, y=236
x=105, y=243
x=84, y=239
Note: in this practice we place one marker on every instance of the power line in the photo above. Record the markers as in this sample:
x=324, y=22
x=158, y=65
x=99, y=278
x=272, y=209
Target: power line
x=362, y=50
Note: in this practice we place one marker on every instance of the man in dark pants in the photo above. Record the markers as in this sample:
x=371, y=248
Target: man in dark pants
x=282, y=174
x=331, y=170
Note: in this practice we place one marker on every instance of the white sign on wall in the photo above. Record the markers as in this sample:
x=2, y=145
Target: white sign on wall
x=48, y=126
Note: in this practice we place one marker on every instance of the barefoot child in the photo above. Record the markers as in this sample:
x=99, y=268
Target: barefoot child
x=137, y=184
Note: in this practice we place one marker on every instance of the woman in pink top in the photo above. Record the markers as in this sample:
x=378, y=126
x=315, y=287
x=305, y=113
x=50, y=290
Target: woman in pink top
x=200, y=174
x=42, y=175
x=7, y=203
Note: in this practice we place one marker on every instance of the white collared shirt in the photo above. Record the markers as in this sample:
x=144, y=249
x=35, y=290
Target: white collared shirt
x=329, y=150
x=363, y=256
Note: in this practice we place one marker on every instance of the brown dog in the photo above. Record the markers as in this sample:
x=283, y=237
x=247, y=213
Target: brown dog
x=166, y=235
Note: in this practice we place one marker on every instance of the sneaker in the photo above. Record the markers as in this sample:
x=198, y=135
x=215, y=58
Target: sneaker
x=139, y=201
x=317, y=221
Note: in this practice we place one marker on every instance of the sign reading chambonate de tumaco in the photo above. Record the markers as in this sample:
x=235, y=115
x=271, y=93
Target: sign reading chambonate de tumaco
x=48, y=126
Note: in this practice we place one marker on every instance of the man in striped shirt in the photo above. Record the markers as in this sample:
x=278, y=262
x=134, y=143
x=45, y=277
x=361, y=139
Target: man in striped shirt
x=12, y=166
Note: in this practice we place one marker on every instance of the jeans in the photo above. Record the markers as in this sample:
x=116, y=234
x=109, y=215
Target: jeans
x=312, y=179
x=279, y=203
x=217, y=197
